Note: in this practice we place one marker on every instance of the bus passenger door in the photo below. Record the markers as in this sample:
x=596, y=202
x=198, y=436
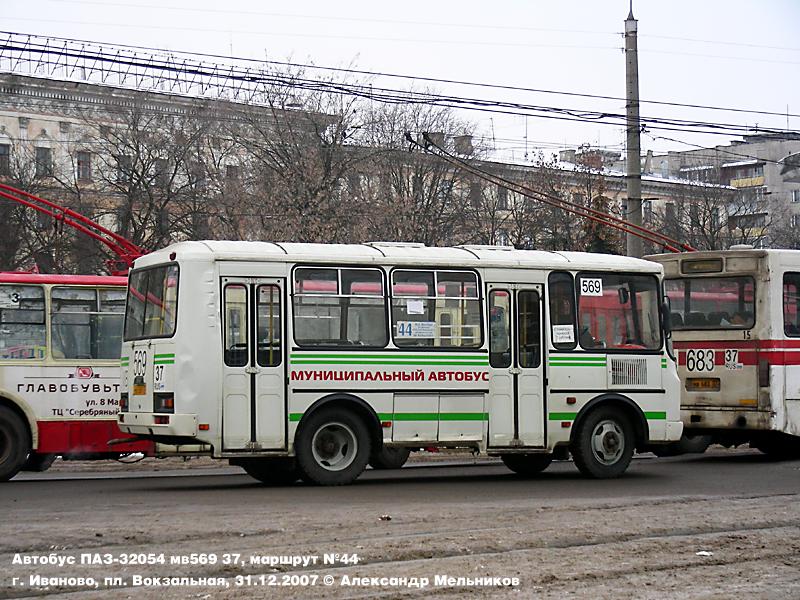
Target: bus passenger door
x=254, y=406
x=516, y=401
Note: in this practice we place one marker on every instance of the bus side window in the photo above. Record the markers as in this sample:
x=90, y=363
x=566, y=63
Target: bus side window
x=499, y=329
x=791, y=304
x=22, y=322
x=562, y=311
x=268, y=326
x=236, y=347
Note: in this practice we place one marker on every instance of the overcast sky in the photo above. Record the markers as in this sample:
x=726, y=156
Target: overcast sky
x=725, y=53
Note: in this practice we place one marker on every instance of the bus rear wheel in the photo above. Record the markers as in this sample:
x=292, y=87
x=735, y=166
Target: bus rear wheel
x=527, y=465
x=270, y=471
x=15, y=443
x=603, y=444
x=332, y=447
x=778, y=446
x=389, y=458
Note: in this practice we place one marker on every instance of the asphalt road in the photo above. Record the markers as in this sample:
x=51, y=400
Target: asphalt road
x=717, y=525
x=714, y=474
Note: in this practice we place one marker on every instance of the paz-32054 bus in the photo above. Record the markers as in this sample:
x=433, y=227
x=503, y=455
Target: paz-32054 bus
x=736, y=320
x=305, y=360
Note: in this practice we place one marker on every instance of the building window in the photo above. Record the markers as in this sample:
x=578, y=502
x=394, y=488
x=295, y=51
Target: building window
x=475, y=194
x=83, y=167
x=44, y=162
x=232, y=173
x=795, y=195
x=124, y=168
x=160, y=174
x=5, y=159
x=502, y=197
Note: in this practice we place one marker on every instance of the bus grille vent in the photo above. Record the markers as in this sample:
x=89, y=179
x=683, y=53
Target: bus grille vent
x=628, y=371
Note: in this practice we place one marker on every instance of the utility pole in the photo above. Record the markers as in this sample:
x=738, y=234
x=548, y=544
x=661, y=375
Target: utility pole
x=633, y=166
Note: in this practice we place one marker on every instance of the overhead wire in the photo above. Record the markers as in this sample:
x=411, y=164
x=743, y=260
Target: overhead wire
x=389, y=95
x=601, y=217
x=373, y=73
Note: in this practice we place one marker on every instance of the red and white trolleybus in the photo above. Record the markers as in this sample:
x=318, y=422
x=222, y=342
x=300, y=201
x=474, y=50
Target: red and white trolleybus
x=735, y=316
x=60, y=338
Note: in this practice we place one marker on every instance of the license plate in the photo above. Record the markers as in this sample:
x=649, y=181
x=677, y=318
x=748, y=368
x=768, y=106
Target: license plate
x=139, y=389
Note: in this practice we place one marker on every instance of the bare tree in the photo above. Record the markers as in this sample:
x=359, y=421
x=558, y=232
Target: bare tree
x=417, y=196
x=299, y=150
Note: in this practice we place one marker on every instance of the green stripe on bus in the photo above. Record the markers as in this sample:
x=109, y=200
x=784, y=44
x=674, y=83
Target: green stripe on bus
x=656, y=416
x=375, y=355
x=570, y=416
x=157, y=356
x=163, y=362
x=562, y=416
x=579, y=364
x=480, y=416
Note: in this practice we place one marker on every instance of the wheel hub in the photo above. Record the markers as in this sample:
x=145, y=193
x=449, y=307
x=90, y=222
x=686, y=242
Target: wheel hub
x=334, y=446
x=608, y=442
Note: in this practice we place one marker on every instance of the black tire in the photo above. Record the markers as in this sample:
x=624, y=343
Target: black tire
x=332, y=447
x=603, y=444
x=779, y=446
x=389, y=457
x=15, y=443
x=696, y=444
x=39, y=462
x=270, y=471
x=527, y=465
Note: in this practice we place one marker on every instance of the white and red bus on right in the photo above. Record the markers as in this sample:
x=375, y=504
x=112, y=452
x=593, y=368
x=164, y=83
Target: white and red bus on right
x=735, y=317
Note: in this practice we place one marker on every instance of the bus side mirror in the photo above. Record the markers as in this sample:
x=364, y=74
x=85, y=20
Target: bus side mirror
x=666, y=311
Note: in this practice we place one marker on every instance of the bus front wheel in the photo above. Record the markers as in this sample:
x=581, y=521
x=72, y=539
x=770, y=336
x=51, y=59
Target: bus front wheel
x=332, y=447
x=603, y=444
x=527, y=465
x=15, y=443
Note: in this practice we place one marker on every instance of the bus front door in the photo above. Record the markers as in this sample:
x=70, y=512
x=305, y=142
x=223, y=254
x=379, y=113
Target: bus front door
x=516, y=401
x=254, y=397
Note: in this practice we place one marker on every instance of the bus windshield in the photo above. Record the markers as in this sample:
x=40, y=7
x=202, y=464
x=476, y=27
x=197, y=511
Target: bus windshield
x=711, y=302
x=618, y=311
x=152, y=303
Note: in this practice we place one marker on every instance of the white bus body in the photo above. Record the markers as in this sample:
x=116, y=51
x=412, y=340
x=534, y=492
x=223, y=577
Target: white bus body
x=304, y=360
x=736, y=332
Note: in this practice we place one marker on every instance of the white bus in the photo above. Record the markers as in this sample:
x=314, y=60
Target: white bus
x=60, y=338
x=736, y=321
x=305, y=360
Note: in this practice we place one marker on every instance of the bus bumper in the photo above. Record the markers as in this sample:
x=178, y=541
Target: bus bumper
x=674, y=430
x=158, y=424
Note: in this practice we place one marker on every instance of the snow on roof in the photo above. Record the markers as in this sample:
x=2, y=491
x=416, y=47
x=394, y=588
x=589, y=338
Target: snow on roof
x=744, y=163
x=395, y=255
x=697, y=168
